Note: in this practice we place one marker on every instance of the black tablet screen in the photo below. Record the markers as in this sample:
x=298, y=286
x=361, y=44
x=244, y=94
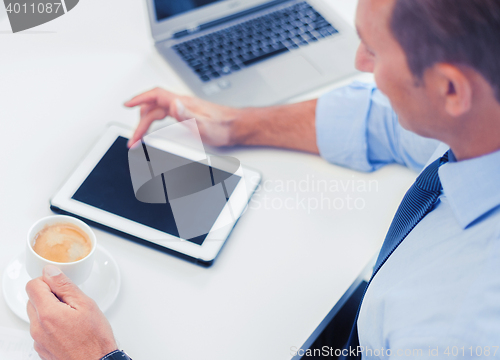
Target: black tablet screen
x=109, y=187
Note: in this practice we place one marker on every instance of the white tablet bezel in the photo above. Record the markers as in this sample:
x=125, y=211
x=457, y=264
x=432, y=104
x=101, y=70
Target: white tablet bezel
x=206, y=252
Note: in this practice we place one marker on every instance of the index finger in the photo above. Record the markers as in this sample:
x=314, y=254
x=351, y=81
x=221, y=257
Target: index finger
x=32, y=314
x=150, y=96
x=40, y=295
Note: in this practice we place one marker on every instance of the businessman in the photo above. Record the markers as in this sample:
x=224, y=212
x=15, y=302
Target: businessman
x=436, y=284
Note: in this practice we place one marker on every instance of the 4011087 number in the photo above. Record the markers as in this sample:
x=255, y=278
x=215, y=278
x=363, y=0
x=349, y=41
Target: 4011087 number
x=478, y=351
x=40, y=8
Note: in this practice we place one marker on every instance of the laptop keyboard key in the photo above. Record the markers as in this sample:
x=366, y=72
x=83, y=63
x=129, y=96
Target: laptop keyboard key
x=268, y=55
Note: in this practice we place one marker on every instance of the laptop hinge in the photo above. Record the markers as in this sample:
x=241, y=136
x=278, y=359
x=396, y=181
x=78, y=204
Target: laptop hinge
x=213, y=23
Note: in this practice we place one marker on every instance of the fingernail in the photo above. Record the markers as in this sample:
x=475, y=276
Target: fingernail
x=180, y=107
x=50, y=270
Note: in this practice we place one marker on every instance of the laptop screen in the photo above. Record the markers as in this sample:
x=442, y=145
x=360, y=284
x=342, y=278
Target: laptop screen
x=168, y=8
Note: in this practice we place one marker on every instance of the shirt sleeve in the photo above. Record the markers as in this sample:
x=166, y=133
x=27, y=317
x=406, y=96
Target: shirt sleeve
x=357, y=128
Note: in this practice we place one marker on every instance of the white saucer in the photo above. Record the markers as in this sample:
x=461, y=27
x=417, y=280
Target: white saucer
x=103, y=284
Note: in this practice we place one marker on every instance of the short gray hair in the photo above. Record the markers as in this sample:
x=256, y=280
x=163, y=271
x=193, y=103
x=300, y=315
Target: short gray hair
x=461, y=32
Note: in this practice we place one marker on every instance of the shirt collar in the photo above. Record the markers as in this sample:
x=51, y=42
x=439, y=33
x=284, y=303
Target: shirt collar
x=471, y=186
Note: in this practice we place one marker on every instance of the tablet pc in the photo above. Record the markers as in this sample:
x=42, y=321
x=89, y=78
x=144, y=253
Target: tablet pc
x=200, y=198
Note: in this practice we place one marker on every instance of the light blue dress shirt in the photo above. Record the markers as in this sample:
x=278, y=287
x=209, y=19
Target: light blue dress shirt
x=438, y=295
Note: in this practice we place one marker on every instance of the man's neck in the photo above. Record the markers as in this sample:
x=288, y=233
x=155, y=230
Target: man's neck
x=477, y=137
x=476, y=132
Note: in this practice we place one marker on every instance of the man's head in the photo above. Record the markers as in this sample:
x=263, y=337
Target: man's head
x=461, y=32
x=436, y=60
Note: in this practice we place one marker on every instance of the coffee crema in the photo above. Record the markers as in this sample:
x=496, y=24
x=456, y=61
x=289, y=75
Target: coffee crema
x=62, y=242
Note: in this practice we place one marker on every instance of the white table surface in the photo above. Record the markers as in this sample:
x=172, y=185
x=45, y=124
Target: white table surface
x=281, y=271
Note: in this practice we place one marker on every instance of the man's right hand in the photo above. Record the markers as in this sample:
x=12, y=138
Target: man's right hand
x=64, y=322
x=288, y=126
x=215, y=122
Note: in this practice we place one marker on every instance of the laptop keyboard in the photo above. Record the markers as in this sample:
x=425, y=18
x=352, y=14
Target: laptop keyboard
x=234, y=48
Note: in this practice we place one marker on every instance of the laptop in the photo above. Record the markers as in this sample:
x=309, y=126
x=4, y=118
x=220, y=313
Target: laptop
x=253, y=52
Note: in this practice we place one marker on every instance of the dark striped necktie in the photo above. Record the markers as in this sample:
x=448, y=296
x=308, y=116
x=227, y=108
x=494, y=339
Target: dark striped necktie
x=418, y=202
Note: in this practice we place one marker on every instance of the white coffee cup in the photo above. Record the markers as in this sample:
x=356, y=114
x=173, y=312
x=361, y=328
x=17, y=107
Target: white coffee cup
x=78, y=271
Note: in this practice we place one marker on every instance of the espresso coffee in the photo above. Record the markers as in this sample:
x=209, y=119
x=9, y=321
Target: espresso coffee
x=62, y=242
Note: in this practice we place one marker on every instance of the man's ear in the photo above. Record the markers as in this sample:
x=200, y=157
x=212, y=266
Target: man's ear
x=455, y=88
